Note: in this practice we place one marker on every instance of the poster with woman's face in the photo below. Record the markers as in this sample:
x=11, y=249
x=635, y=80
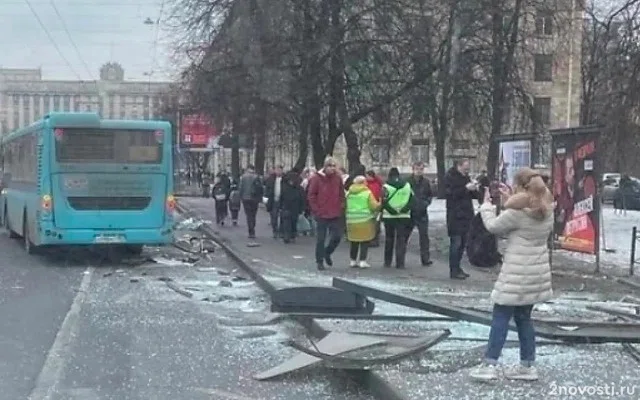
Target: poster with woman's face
x=575, y=193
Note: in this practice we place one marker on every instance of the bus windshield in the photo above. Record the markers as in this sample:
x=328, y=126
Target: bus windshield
x=108, y=146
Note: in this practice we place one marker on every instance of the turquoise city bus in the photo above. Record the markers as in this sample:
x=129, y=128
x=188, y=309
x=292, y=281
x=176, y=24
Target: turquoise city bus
x=77, y=179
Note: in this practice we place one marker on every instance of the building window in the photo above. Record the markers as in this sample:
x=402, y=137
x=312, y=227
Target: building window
x=123, y=107
x=541, y=112
x=46, y=104
x=420, y=151
x=37, y=113
x=380, y=149
x=544, y=22
x=543, y=68
x=27, y=110
x=16, y=111
x=146, y=107
x=56, y=103
x=460, y=144
x=109, y=113
x=66, y=103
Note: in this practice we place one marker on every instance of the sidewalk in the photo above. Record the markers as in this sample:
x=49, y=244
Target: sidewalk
x=300, y=255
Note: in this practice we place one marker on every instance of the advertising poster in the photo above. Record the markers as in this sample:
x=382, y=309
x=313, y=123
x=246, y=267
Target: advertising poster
x=575, y=189
x=197, y=131
x=513, y=155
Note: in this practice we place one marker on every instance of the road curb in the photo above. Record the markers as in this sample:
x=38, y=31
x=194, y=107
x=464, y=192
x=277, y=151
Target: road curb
x=374, y=383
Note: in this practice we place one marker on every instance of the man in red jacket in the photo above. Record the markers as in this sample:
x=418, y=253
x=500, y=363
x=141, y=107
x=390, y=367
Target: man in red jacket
x=326, y=198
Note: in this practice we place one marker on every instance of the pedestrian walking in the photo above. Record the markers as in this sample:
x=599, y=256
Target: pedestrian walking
x=291, y=205
x=361, y=213
x=396, y=207
x=460, y=192
x=525, y=276
x=326, y=198
x=423, y=195
x=221, y=197
x=235, y=202
x=251, y=190
x=273, y=193
x=375, y=183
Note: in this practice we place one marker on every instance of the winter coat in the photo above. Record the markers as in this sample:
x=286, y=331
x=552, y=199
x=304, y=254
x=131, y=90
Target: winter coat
x=375, y=185
x=482, y=245
x=525, y=276
x=249, y=181
x=292, y=194
x=365, y=231
x=325, y=194
x=459, y=202
x=423, y=195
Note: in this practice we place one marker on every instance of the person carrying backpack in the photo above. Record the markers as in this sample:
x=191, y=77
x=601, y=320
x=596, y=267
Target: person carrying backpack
x=251, y=190
x=221, y=198
x=235, y=202
x=396, y=216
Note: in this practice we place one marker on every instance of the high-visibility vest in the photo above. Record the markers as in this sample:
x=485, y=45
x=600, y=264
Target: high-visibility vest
x=398, y=200
x=358, y=207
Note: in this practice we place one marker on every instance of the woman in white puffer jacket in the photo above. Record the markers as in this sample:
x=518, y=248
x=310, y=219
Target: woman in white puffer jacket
x=525, y=275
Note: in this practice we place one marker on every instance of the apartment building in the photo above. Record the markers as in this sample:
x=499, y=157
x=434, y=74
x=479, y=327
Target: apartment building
x=25, y=96
x=550, y=68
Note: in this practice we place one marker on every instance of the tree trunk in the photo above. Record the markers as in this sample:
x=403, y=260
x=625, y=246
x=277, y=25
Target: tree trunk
x=441, y=168
x=503, y=60
x=260, y=135
x=338, y=89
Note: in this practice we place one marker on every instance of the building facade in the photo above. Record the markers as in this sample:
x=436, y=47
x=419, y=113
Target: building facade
x=25, y=96
x=550, y=65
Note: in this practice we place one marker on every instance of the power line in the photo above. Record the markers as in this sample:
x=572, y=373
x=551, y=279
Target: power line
x=52, y=40
x=73, y=43
x=155, y=41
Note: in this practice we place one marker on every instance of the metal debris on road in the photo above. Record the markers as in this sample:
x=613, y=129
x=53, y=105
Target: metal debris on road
x=190, y=224
x=179, y=290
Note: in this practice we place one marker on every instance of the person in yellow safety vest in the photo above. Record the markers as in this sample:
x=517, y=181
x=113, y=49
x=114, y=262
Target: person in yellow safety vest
x=360, y=214
x=396, y=216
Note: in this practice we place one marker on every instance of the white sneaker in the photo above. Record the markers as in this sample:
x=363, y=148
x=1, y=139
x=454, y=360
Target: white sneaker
x=485, y=373
x=353, y=264
x=521, y=373
x=364, y=264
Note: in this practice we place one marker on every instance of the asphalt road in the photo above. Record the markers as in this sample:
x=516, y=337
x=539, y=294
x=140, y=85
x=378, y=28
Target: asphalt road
x=34, y=299
x=71, y=330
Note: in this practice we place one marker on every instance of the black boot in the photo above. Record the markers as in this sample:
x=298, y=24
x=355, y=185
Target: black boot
x=458, y=274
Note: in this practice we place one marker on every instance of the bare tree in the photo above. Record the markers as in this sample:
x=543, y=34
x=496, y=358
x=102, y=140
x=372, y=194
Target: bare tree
x=610, y=80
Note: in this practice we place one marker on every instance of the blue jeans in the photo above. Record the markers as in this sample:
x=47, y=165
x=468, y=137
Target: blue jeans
x=500, y=327
x=332, y=228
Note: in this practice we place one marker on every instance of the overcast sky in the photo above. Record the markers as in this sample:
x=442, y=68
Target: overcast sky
x=102, y=31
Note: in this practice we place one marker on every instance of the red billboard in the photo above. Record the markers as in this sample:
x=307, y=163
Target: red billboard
x=196, y=130
x=575, y=172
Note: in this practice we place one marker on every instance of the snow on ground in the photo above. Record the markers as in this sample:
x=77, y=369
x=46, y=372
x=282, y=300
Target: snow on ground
x=615, y=237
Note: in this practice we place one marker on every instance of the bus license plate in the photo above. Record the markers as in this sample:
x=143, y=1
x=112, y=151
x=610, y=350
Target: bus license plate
x=108, y=239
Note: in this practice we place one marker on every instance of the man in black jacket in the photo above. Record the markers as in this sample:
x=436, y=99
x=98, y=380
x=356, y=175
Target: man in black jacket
x=419, y=215
x=460, y=192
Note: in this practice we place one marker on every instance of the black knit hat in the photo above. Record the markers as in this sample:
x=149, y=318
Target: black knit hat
x=393, y=173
